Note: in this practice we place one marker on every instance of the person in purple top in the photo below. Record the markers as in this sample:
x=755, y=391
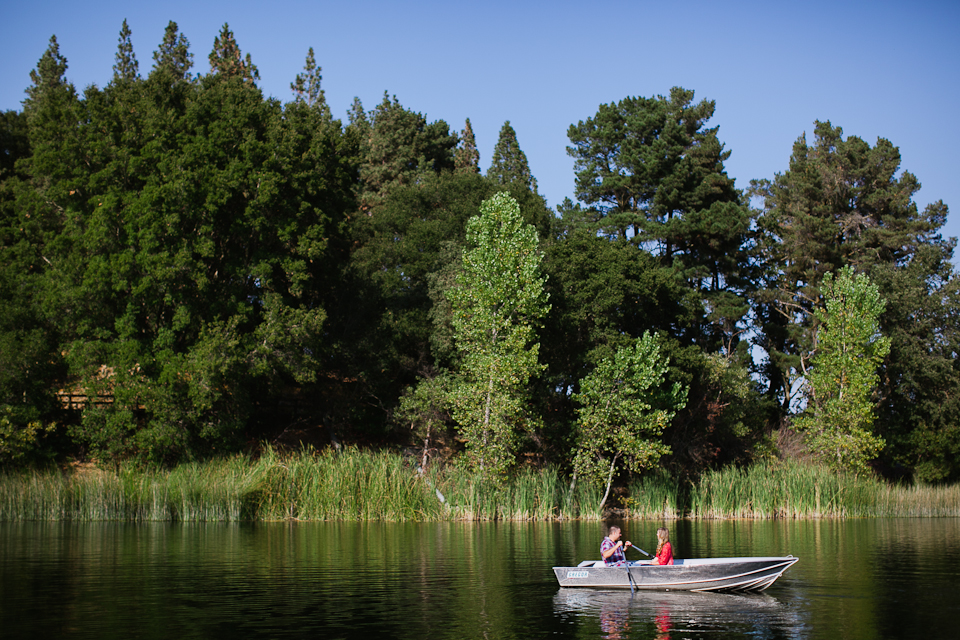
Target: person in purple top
x=611, y=549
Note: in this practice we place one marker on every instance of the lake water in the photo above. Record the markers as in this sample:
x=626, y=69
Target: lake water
x=891, y=578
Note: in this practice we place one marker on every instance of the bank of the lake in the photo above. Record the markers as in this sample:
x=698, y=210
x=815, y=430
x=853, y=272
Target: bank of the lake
x=381, y=486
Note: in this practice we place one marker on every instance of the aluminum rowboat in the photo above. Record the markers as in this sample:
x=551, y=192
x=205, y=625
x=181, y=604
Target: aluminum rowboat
x=702, y=574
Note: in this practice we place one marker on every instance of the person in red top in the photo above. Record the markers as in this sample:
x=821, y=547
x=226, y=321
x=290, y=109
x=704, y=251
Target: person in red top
x=664, y=550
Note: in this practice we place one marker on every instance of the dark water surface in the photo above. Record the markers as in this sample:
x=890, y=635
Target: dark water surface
x=892, y=578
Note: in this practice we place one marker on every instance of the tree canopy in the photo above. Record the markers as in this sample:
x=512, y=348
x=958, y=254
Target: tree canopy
x=188, y=267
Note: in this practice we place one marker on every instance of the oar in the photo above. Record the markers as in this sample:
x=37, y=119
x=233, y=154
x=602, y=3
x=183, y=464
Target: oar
x=633, y=546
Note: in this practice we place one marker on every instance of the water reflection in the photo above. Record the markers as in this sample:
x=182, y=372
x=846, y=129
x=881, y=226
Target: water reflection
x=857, y=579
x=622, y=614
x=662, y=622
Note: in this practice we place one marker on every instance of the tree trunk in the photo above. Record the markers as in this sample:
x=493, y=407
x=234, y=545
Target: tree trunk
x=609, y=482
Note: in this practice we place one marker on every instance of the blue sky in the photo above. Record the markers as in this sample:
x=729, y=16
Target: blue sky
x=877, y=69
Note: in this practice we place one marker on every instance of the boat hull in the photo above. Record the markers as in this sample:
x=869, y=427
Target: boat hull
x=702, y=574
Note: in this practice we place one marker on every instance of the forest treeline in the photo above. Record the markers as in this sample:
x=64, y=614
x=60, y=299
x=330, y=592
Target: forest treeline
x=188, y=266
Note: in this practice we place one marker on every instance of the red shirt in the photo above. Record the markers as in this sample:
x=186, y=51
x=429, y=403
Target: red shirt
x=666, y=554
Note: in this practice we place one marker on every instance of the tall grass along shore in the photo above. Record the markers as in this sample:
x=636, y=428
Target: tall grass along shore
x=787, y=490
x=357, y=485
x=345, y=485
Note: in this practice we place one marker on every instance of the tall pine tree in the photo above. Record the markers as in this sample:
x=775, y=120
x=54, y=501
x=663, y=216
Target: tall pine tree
x=467, y=158
x=509, y=164
x=306, y=86
x=398, y=146
x=173, y=58
x=126, y=66
x=843, y=202
x=227, y=60
x=652, y=174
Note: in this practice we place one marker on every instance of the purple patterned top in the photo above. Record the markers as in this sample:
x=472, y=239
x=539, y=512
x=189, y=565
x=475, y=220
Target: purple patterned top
x=616, y=556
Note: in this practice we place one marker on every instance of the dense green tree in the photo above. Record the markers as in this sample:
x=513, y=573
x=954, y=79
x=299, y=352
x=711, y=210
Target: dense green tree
x=840, y=412
x=30, y=366
x=400, y=146
x=14, y=141
x=196, y=258
x=313, y=173
x=173, y=59
x=497, y=303
x=652, y=172
x=39, y=192
x=126, y=66
x=841, y=202
x=402, y=254
x=604, y=294
x=306, y=86
x=509, y=163
x=466, y=157
x=50, y=194
x=226, y=58
x=624, y=407
x=918, y=414
x=417, y=211
x=357, y=117
x=30, y=369
x=397, y=250
x=651, y=175
x=192, y=251
x=626, y=152
x=52, y=109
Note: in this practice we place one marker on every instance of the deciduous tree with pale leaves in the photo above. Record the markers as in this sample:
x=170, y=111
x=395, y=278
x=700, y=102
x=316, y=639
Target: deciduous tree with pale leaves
x=849, y=349
x=497, y=302
x=623, y=411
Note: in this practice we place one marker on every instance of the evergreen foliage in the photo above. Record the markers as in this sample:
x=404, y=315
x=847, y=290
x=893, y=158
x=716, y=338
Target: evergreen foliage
x=652, y=175
x=173, y=59
x=126, y=67
x=843, y=202
x=306, y=86
x=653, y=172
x=467, y=158
x=357, y=117
x=187, y=266
x=227, y=60
x=399, y=147
x=509, y=164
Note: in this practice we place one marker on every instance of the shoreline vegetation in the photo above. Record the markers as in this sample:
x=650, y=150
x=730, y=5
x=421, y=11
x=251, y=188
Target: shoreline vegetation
x=381, y=486
x=191, y=267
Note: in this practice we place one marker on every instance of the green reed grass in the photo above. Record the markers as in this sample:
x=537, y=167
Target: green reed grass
x=933, y=502
x=213, y=492
x=307, y=485
x=793, y=490
x=655, y=496
x=781, y=490
x=350, y=485
x=531, y=494
x=360, y=485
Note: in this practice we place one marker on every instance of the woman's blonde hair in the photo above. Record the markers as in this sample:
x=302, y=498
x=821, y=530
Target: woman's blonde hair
x=662, y=536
